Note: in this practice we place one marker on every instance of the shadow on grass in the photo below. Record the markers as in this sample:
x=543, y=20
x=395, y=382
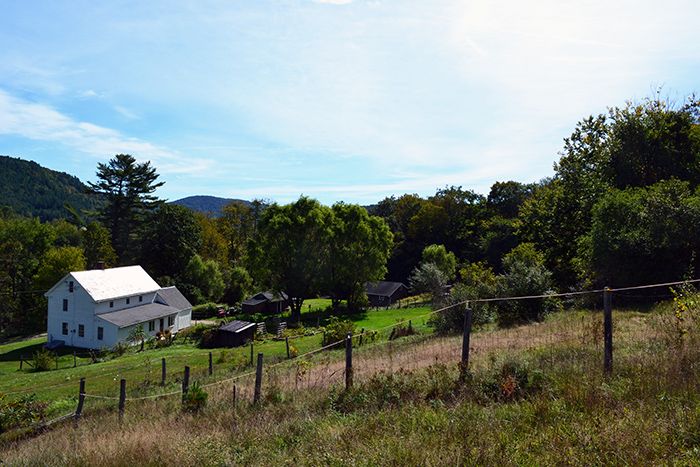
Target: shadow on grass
x=26, y=352
x=29, y=351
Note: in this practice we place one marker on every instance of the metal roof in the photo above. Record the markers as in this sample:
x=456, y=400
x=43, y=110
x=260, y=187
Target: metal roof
x=236, y=326
x=114, y=283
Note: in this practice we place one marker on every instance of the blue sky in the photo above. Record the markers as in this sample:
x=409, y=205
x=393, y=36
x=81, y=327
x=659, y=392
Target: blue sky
x=337, y=100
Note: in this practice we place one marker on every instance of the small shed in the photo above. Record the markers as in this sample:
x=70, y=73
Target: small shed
x=266, y=303
x=385, y=293
x=234, y=334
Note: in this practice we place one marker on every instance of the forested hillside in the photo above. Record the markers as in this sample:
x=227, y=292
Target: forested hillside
x=32, y=190
x=207, y=204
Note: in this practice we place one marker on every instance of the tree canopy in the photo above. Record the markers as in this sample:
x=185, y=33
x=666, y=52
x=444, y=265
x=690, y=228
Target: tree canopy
x=304, y=248
x=127, y=187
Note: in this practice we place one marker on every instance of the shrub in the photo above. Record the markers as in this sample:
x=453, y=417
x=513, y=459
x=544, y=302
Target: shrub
x=207, y=340
x=119, y=349
x=402, y=330
x=337, y=330
x=206, y=310
x=525, y=276
x=195, y=399
x=43, y=360
x=20, y=412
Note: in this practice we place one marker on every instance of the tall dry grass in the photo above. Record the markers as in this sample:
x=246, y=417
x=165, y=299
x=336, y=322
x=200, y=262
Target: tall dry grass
x=535, y=395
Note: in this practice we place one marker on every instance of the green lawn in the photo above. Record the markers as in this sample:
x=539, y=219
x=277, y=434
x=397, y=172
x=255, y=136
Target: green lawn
x=142, y=370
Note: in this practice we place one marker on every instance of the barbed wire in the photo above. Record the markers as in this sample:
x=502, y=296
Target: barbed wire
x=293, y=360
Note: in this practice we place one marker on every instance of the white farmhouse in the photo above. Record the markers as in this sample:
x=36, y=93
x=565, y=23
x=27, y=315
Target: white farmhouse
x=98, y=308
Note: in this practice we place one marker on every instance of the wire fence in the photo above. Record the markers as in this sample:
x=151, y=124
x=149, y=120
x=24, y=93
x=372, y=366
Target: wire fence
x=561, y=340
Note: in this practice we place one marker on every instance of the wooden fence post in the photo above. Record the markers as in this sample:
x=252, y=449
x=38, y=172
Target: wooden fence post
x=162, y=372
x=251, y=354
x=81, y=400
x=185, y=383
x=608, y=329
x=234, y=397
x=122, y=398
x=362, y=333
x=286, y=341
x=211, y=367
x=323, y=344
x=258, y=379
x=348, y=360
x=466, y=333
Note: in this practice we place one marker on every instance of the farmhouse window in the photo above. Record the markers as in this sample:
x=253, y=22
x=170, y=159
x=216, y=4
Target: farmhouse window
x=81, y=330
x=128, y=300
x=64, y=329
x=65, y=304
x=111, y=304
x=70, y=286
x=171, y=320
x=151, y=326
x=100, y=333
x=140, y=298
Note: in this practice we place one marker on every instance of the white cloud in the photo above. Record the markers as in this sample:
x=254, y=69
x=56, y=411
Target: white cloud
x=334, y=2
x=39, y=122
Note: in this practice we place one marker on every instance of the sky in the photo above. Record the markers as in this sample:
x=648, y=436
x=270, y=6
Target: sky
x=338, y=100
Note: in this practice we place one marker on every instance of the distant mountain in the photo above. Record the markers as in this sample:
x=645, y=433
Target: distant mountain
x=207, y=204
x=32, y=190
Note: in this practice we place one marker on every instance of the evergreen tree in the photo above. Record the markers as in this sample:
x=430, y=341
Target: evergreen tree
x=127, y=187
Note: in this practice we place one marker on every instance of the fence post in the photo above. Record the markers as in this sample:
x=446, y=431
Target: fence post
x=162, y=372
x=251, y=354
x=21, y=362
x=608, y=329
x=348, y=360
x=286, y=341
x=211, y=368
x=122, y=398
x=323, y=344
x=362, y=333
x=81, y=400
x=258, y=379
x=234, y=398
x=185, y=383
x=466, y=333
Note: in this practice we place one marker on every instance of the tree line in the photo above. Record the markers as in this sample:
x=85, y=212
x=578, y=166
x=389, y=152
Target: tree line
x=622, y=209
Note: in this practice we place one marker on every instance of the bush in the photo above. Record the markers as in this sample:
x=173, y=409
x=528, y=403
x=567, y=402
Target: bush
x=402, y=330
x=195, y=399
x=43, y=360
x=525, y=276
x=478, y=282
x=20, y=412
x=336, y=330
x=119, y=349
x=207, y=310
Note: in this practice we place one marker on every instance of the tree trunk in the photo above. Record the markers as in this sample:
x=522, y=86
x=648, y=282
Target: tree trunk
x=296, y=311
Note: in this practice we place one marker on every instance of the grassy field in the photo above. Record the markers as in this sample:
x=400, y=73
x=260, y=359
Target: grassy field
x=534, y=395
x=59, y=387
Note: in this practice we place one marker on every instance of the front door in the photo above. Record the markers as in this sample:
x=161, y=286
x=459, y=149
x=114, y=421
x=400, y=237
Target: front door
x=161, y=324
